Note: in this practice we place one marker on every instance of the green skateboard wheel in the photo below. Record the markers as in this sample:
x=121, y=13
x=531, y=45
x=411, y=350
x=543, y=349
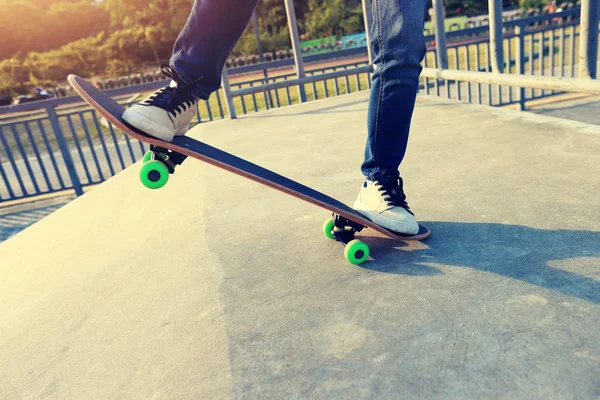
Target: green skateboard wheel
x=356, y=252
x=154, y=174
x=328, y=227
x=147, y=157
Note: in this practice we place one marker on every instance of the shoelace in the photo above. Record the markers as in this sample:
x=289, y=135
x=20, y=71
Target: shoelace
x=173, y=99
x=393, y=194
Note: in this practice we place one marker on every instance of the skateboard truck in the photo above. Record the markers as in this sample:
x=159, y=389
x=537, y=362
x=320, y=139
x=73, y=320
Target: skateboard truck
x=172, y=159
x=159, y=163
x=343, y=230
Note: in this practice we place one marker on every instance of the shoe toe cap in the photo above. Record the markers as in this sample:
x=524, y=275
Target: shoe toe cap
x=403, y=222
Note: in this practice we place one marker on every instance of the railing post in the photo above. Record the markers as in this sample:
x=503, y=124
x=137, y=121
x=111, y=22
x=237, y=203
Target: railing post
x=228, y=96
x=520, y=63
x=293, y=25
x=261, y=55
x=496, y=40
x=366, y=4
x=440, y=34
x=64, y=149
x=588, y=39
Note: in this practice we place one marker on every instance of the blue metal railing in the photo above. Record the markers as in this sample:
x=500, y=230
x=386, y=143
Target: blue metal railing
x=66, y=151
x=546, y=51
x=68, y=146
x=72, y=148
x=284, y=96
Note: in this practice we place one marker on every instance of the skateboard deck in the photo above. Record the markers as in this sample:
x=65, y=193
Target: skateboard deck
x=345, y=222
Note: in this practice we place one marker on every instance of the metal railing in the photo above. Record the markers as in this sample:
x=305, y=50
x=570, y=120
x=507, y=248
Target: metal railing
x=550, y=51
x=67, y=146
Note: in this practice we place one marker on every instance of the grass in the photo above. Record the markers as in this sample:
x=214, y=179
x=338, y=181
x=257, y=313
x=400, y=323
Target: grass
x=461, y=21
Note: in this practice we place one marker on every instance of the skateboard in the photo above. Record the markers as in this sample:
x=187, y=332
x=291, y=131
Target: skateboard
x=163, y=158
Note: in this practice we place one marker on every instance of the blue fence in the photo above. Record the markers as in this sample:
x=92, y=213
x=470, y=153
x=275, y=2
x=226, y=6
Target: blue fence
x=533, y=46
x=71, y=147
x=62, y=144
x=60, y=152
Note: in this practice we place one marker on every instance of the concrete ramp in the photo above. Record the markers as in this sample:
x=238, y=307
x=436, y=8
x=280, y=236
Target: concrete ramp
x=217, y=287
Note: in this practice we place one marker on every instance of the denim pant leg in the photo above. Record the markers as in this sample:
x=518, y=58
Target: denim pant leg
x=398, y=48
x=210, y=33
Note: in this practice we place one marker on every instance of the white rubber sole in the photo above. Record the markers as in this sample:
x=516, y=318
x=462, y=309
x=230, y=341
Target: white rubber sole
x=148, y=126
x=407, y=228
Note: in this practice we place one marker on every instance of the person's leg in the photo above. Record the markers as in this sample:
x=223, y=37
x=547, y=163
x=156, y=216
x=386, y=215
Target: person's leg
x=210, y=33
x=199, y=54
x=398, y=47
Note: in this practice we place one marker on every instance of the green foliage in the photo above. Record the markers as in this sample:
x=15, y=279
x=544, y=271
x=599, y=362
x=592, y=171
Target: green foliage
x=172, y=14
x=468, y=6
x=334, y=17
x=527, y=4
x=42, y=25
x=45, y=40
x=247, y=43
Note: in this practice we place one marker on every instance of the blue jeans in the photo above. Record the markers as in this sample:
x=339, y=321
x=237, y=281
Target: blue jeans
x=214, y=27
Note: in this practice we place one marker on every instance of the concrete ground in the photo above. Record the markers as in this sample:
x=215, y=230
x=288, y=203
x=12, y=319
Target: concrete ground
x=583, y=108
x=17, y=217
x=217, y=287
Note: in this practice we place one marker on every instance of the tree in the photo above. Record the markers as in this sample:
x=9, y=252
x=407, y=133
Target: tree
x=145, y=13
x=42, y=25
x=334, y=17
x=529, y=4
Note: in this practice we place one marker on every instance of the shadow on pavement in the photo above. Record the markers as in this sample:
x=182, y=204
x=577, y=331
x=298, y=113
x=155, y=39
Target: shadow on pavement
x=13, y=222
x=516, y=252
